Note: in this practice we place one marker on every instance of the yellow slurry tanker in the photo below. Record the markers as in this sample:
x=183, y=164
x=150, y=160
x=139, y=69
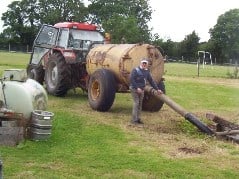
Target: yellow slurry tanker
x=109, y=67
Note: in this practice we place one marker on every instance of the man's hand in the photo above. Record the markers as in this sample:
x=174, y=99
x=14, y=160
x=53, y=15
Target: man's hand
x=159, y=92
x=139, y=91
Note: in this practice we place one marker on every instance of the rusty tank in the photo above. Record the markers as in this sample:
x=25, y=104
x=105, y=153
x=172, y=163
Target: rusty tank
x=121, y=59
x=109, y=68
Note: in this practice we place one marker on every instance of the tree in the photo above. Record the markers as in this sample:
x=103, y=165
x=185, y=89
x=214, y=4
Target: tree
x=120, y=27
x=225, y=35
x=23, y=18
x=53, y=11
x=20, y=21
x=123, y=18
x=189, y=46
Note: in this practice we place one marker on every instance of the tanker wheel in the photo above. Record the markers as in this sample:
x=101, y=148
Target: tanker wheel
x=57, y=75
x=35, y=72
x=101, y=90
x=152, y=104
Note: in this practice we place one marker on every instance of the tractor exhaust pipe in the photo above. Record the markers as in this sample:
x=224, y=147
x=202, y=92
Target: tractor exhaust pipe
x=176, y=107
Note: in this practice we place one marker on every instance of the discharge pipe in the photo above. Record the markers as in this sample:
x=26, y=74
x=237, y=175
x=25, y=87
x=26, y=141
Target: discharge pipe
x=180, y=110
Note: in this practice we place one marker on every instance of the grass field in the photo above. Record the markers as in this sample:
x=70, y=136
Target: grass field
x=90, y=144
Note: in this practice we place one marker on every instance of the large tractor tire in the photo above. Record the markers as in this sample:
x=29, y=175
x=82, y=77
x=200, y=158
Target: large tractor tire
x=101, y=90
x=57, y=75
x=36, y=72
x=152, y=104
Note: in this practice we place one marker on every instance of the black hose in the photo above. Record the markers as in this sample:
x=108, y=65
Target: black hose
x=193, y=119
x=188, y=116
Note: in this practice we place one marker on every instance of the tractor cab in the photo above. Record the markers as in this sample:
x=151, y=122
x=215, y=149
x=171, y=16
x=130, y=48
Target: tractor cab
x=60, y=48
x=71, y=37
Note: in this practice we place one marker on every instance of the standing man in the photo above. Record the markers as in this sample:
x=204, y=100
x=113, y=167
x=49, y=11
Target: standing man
x=138, y=78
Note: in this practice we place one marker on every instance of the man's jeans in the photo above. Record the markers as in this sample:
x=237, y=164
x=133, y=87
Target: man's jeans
x=137, y=104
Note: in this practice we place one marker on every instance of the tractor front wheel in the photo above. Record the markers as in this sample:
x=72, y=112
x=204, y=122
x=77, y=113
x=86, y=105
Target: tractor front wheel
x=35, y=72
x=57, y=75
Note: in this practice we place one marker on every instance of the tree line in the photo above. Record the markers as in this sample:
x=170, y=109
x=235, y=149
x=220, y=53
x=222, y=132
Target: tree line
x=126, y=21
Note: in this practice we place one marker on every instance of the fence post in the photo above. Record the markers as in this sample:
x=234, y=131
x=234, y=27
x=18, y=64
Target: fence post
x=1, y=173
x=198, y=63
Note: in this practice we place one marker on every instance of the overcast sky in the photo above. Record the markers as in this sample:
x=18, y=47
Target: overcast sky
x=175, y=19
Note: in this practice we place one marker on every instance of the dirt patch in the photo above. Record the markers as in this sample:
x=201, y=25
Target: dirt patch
x=188, y=150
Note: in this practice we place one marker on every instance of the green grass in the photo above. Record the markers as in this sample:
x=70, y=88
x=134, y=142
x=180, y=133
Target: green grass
x=191, y=70
x=13, y=60
x=200, y=96
x=90, y=144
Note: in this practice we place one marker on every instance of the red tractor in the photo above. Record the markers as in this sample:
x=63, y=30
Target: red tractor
x=59, y=55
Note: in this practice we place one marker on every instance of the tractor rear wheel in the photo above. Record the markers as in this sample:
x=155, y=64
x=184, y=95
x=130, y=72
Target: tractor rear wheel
x=101, y=90
x=35, y=72
x=57, y=75
x=152, y=104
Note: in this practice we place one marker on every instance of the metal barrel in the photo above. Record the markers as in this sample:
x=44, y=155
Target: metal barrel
x=180, y=110
x=41, y=125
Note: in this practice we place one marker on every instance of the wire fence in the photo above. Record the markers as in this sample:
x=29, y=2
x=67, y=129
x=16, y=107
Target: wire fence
x=227, y=62
x=28, y=49
x=16, y=48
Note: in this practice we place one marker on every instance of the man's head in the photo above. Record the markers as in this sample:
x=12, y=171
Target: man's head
x=144, y=63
